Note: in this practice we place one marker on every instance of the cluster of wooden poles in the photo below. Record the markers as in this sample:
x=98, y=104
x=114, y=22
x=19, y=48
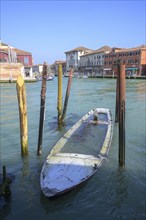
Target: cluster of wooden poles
x=61, y=113
x=21, y=93
x=119, y=112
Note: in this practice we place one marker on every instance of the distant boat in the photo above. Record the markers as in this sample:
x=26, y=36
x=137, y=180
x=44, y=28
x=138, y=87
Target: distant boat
x=66, y=74
x=84, y=76
x=49, y=77
x=66, y=166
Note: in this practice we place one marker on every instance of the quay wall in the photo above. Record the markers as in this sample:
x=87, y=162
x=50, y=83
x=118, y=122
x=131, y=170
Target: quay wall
x=111, y=76
x=10, y=71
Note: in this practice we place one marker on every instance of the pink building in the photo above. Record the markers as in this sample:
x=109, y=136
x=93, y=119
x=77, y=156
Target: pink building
x=13, y=55
x=24, y=57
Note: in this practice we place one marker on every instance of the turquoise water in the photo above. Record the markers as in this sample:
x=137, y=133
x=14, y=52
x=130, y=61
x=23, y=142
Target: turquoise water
x=112, y=193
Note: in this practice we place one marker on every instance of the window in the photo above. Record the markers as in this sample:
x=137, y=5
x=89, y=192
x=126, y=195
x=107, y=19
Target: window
x=26, y=60
x=137, y=52
x=130, y=61
x=136, y=60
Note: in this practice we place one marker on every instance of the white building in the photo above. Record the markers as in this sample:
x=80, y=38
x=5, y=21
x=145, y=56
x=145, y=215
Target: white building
x=37, y=69
x=92, y=64
x=73, y=57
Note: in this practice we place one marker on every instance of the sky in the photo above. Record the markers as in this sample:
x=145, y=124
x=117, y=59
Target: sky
x=48, y=29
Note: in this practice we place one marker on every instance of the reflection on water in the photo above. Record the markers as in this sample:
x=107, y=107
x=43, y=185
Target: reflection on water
x=118, y=194
x=111, y=193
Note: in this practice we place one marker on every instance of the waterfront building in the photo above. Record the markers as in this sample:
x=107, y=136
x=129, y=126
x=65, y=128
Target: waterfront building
x=92, y=64
x=26, y=59
x=11, y=55
x=103, y=61
x=133, y=58
x=73, y=57
x=7, y=54
x=37, y=69
x=54, y=67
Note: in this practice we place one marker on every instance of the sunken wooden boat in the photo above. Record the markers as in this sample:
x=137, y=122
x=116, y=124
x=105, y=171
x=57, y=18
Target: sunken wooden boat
x=78, y=154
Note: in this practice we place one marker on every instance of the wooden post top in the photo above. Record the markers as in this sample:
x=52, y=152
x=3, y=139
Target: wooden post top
x=20, y=80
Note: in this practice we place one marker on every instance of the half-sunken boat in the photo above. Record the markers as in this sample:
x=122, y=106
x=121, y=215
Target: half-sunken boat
x=78, y=154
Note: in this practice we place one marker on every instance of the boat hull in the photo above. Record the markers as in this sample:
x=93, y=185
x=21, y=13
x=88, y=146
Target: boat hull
x=63, y=171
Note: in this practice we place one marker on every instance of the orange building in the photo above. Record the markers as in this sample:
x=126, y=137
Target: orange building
x=133, y=58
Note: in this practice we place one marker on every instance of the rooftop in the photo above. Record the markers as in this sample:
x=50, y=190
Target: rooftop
x=4, y=47
x=100, y=50
x=141, y=47
x=79, y=49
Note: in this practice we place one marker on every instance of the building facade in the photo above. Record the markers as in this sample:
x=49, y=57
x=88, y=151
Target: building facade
x=9, y=54
x=134, y=60
x=92, y=64
x=54, y=67
x=73, y=58
x=104, y=61
x=37, y=70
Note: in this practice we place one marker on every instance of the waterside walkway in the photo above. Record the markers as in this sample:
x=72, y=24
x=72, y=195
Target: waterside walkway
x=111, y=76
x=26, y=79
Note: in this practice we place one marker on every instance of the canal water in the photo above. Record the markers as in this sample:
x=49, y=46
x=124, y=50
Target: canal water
x=112, y=193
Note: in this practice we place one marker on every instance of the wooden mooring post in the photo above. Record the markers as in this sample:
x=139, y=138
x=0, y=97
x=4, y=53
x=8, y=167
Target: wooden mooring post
x=21, y=94
x=67, y=95
x=59, y=101
x=122, y=90
x=42, y=108
x=117, y=95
